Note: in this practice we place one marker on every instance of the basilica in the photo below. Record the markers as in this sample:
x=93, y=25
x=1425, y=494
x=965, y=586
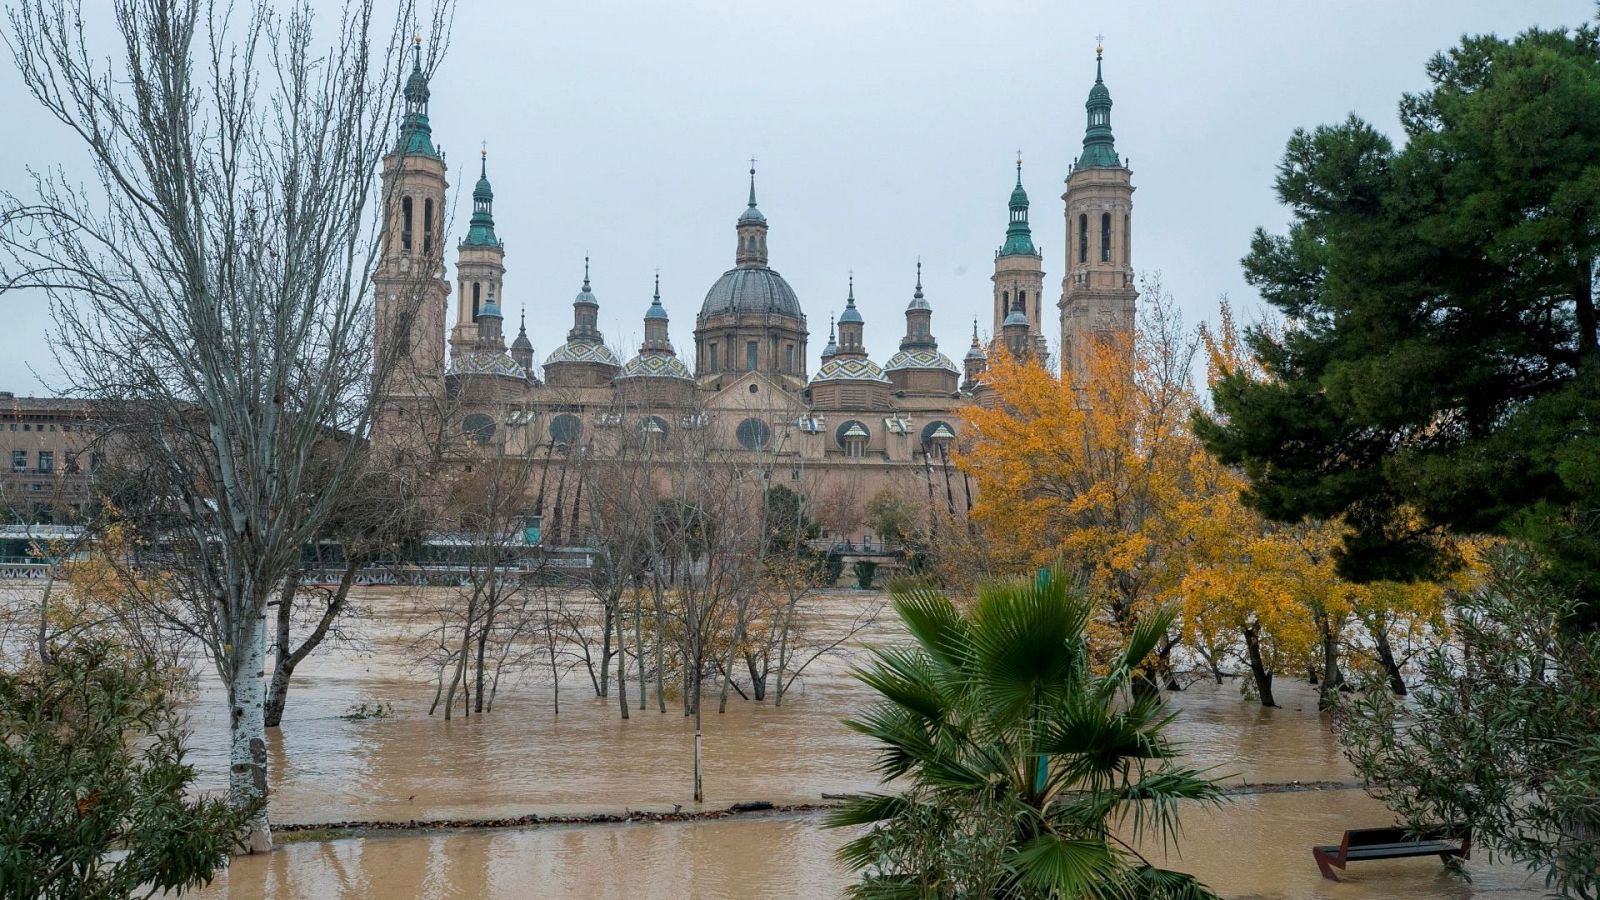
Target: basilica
x=853, y=427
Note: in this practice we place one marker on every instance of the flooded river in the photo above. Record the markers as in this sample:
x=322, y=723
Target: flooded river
x=522, y=758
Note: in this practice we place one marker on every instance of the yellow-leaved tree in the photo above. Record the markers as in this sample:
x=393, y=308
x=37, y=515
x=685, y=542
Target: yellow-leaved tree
x=1091, y=469
x=1100, y=469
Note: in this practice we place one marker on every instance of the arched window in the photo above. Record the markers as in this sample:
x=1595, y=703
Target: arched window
x=1005, y=302
x=1105, y=237
x=1083, y=238
x=476, y=288
x=1022, y=302
x=405, y=224
x=427, y=225
x=788, y=358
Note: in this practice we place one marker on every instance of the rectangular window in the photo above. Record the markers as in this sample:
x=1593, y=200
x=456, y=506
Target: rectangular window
x=19, y=460
x=751, y=350
x=711, y=365
x=47, y=462
x=788, y=358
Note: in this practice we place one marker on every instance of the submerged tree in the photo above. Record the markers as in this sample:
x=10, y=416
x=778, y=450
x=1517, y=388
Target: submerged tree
x=212, y=294
x=1020, y=761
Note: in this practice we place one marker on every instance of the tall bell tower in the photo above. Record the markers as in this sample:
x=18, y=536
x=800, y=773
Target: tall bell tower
x=1097, y=292
x=480, y=265
x=410, y=293
x=1019, y=273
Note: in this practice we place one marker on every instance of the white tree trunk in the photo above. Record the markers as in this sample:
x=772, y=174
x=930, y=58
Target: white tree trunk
x=247, y=757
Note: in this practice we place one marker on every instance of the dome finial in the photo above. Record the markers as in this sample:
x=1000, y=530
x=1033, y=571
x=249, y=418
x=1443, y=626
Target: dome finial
x=752, y=182
x=1099, y=50
x=1019, y=167
x=658, y=288
x=851, y=300
x=586, y=273
x=919, y=275
x=483, y=159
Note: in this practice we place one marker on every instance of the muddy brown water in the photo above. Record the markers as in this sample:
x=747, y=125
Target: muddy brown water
x=522, y=758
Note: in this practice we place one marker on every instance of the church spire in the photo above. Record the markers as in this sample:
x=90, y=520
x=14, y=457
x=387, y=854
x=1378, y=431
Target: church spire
x=1019, y=237
x=1099, y=148
x=919, y=320
x=752, y=229
x=416, y=136
x=480, y=233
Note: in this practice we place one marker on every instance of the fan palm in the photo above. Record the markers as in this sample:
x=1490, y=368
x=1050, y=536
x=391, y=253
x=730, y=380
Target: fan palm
x=1026, y=771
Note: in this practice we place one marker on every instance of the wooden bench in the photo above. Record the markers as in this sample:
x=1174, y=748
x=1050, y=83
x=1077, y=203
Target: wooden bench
x=1443, y=841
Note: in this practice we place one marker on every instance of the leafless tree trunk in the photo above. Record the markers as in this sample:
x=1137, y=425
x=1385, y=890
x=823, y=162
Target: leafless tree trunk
x=211, y=292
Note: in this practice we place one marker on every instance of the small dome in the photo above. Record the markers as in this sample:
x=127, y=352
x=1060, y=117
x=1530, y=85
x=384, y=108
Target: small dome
x=1015, y=317
x=490, y=308
x=850, y=314
x=585, y=295
x=581, y=352
x=656, y=365
x=656, y=311
x=920, y=359
x=522, y=342
x=976, y=352
x=752, y=216
x=752, y=289
x=851, y=369
x=486, y=363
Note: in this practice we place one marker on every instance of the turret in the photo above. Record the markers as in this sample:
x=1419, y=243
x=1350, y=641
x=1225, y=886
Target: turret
x=919, y=320
x=480, y=264
x=851, y=325
x=752, y=230
x=1019, y=271
x=974, y=363
x=522, y=348
x=919, y=367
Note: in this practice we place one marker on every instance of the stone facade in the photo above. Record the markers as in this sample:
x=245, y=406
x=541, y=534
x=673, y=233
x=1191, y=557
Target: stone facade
x=747, y=397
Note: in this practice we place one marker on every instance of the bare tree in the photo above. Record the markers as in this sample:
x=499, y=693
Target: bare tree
x=211, y=293
x=375, y=517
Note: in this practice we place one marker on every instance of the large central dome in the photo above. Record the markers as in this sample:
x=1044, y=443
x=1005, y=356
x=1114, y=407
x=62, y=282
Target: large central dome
x=751, y=289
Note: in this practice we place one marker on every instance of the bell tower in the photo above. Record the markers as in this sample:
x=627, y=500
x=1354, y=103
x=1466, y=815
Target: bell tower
x=409, y=285
x=1019, y=273
x=480, y=265
x=1097, y=293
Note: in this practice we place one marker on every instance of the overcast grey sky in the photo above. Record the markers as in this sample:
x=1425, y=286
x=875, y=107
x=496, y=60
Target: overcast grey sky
x=885, y=130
